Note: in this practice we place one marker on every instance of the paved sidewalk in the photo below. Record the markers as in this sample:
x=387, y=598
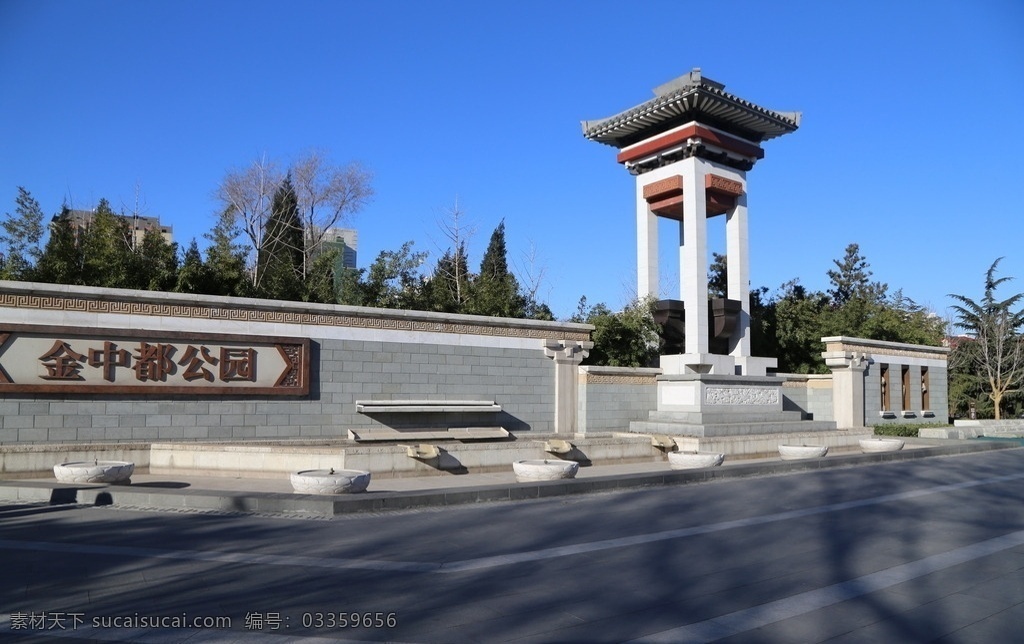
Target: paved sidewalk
x=274, y=495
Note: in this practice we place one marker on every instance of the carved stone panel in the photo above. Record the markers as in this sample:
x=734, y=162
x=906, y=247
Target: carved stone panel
x=741, y=396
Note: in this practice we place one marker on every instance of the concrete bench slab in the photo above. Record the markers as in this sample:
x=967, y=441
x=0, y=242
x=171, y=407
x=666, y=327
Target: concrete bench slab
x=378, y=434
x=425, y=406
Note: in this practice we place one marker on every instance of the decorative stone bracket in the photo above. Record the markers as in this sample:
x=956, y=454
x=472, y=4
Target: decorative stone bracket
x=567, y=354
x=567, y=351
x=846, y=359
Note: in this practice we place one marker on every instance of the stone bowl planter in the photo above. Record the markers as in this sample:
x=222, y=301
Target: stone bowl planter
x=118, y=472
x=796, y=452
x=874, y=445
x=694, y=460
x=330, y=481
x=544, y=470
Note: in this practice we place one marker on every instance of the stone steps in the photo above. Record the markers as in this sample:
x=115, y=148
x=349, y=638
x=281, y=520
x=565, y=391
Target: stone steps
x=731, y=429
x=767, y=445
x=723, y=417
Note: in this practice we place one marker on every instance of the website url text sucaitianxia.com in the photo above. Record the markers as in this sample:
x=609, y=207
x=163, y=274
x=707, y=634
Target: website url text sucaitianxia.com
x=61, y=621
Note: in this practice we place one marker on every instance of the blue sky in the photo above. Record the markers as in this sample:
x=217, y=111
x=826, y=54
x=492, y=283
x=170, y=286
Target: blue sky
x=910, y=144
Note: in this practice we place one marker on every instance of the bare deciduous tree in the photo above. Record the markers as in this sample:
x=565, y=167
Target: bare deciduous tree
x=135, y=212
x=532, y=275
x=327, y=195
x=453, y=268
x=249, y=194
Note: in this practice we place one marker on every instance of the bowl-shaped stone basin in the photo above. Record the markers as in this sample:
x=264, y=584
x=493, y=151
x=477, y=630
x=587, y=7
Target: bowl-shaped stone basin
x=330, y=481
x=694, y=460
x=796, y=452
x=873, y=445
x=544, y=470
x=94, y=471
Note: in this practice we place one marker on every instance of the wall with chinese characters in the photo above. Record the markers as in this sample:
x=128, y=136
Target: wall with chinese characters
x=82, y=364
x=69, y=360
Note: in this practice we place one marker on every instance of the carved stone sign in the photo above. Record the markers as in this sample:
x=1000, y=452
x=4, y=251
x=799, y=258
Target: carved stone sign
x=71, y=360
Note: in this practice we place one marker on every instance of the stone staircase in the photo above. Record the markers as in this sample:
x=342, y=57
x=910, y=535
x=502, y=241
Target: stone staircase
x=746, y=434
x=694, y=423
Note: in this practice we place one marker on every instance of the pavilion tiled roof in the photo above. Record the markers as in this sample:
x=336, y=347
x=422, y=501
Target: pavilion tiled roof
x=691, y=98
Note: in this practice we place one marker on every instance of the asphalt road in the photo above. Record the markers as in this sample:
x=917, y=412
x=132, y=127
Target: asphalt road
x=915, y=551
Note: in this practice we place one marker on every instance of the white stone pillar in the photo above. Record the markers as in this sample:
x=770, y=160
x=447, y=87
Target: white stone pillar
x=847, y=387
x=568, y=354
x=646, y=245
x=693, y=256
x=738, y=272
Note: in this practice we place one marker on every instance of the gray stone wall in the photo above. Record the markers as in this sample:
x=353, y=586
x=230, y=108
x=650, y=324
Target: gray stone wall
x=357, y=354
x=872, y=394
x=520, y=381
x=938, y=387
x=899, y=357
x=810, y=395
x=611, y=397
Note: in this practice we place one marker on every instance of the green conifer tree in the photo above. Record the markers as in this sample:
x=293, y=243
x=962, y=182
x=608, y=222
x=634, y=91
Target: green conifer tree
x=61, y=260
x=495, y=290
x=21, y=238
x=226, y=259
x=279, y=262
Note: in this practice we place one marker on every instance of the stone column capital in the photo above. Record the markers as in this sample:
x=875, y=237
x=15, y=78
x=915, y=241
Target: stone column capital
x=567, y=351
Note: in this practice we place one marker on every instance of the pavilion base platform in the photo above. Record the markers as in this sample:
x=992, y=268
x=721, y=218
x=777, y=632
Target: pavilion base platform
x=766, y=446
x=739, y=416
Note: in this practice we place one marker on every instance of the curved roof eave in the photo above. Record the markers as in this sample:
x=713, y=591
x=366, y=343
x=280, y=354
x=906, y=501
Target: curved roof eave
x=751, y=121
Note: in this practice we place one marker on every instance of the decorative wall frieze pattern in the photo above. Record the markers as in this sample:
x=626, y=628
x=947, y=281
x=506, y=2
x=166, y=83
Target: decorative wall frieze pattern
x=603, y=379
x=235, y=314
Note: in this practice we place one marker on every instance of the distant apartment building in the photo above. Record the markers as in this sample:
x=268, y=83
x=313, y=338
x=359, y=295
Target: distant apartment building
x=136, y=224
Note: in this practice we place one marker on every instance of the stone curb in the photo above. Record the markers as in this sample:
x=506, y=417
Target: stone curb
x=326, y=506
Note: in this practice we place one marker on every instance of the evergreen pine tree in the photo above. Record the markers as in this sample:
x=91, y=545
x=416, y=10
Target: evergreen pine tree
x=319, y=282
x=22, y=234
x=495, y=289
x=154, y=264
x=279, y=262
x=994, y=356
x=61, y=260
x=853, y=279
x=449, y=287
x=194, y=275
x=225, y=259
x=105, y=242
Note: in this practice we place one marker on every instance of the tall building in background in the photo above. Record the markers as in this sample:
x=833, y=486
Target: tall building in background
x=346, y=242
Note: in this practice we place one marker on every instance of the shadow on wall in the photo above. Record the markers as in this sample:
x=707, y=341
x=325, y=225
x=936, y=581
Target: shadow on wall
x=314, y=370
x=407, y=422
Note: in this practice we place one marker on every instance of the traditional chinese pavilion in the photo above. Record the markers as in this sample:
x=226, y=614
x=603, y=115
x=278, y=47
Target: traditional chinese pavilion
x=690, y=148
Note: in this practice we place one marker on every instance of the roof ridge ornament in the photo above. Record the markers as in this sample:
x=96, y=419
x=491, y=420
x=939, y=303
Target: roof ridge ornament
x=687, y=81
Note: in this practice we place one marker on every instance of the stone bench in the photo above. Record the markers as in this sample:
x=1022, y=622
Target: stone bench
x=377, y=434
x=415, y=407
x=425, y=406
